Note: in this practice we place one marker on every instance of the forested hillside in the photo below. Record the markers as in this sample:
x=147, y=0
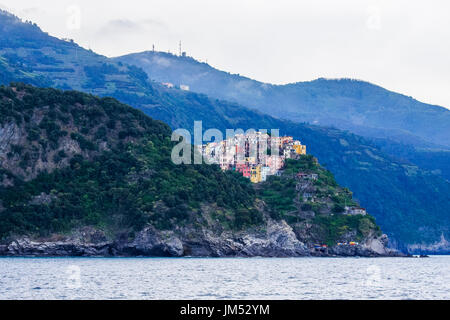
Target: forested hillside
x=72, y=159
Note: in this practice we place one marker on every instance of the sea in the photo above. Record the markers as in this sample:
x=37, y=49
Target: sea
x=225, y=278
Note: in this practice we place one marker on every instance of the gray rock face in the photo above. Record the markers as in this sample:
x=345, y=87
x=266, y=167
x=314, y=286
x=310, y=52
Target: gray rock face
x=9, y=134
x=150, y=242
x=16, y=141
x=440, y=247
x=27, y=247
x=378, y=245
x=279, y=241
x=276, y=240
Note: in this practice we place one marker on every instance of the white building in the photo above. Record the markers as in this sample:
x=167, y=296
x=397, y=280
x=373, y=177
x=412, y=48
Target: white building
x=353, y=211
x=168, y=85
x=265, y=172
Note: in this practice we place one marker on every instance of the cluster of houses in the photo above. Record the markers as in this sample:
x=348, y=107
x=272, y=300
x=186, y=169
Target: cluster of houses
x=171, y=86
x=256, y=155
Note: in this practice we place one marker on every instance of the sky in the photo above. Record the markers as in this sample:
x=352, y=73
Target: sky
x=401, y=45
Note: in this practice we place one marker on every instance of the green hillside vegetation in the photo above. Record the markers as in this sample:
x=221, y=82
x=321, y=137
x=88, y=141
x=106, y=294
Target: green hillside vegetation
x=132, y=184
x=326, y=211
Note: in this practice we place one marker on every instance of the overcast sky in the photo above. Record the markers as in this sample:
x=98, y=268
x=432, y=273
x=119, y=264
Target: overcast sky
x=401, y=45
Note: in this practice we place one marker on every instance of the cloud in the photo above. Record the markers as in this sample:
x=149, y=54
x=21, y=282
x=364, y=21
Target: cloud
x=374, y=18
x=23, y=13
x=163, y=62
x=153, y=23
x=120, y=25
x=117, y=26
x=31, y=11
x=3, y=7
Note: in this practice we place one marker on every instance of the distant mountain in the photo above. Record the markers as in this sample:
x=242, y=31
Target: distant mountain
x=409, y=203
x=357, y=106
x=436, y=161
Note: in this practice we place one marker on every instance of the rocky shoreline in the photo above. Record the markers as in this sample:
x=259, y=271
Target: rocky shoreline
x=277, y=240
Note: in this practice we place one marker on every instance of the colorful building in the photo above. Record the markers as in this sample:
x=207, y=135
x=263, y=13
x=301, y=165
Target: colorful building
x=248, y=154
x=247, y=172
x=353, y=211
x=265, y=172
x=299, y=148
x=168, y=85
x=256, y=174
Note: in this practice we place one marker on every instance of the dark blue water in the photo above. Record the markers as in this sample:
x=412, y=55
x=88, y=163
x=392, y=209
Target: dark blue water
x=295, y=278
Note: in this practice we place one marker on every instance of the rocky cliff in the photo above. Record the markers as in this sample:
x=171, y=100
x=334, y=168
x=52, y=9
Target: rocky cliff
x=277, y=240
x=439, y=247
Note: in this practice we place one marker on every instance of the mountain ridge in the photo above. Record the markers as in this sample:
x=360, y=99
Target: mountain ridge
x=306, y=101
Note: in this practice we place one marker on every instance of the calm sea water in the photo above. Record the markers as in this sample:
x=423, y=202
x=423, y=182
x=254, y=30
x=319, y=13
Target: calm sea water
x=294, y=278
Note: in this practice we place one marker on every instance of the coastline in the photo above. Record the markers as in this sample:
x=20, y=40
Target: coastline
x=277, y=241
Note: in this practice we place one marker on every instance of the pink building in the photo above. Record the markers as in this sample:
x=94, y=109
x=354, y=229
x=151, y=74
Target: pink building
x=275, y=163
x=247, y=172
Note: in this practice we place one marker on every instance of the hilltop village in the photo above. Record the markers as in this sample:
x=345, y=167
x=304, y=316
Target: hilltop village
x=256, y=155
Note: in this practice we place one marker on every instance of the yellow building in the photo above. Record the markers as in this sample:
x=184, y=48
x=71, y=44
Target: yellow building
x=250, y=160
x=299, y=148
x=256, y=174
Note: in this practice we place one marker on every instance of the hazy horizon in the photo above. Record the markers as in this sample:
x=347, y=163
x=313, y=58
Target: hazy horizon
x=400, y=46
